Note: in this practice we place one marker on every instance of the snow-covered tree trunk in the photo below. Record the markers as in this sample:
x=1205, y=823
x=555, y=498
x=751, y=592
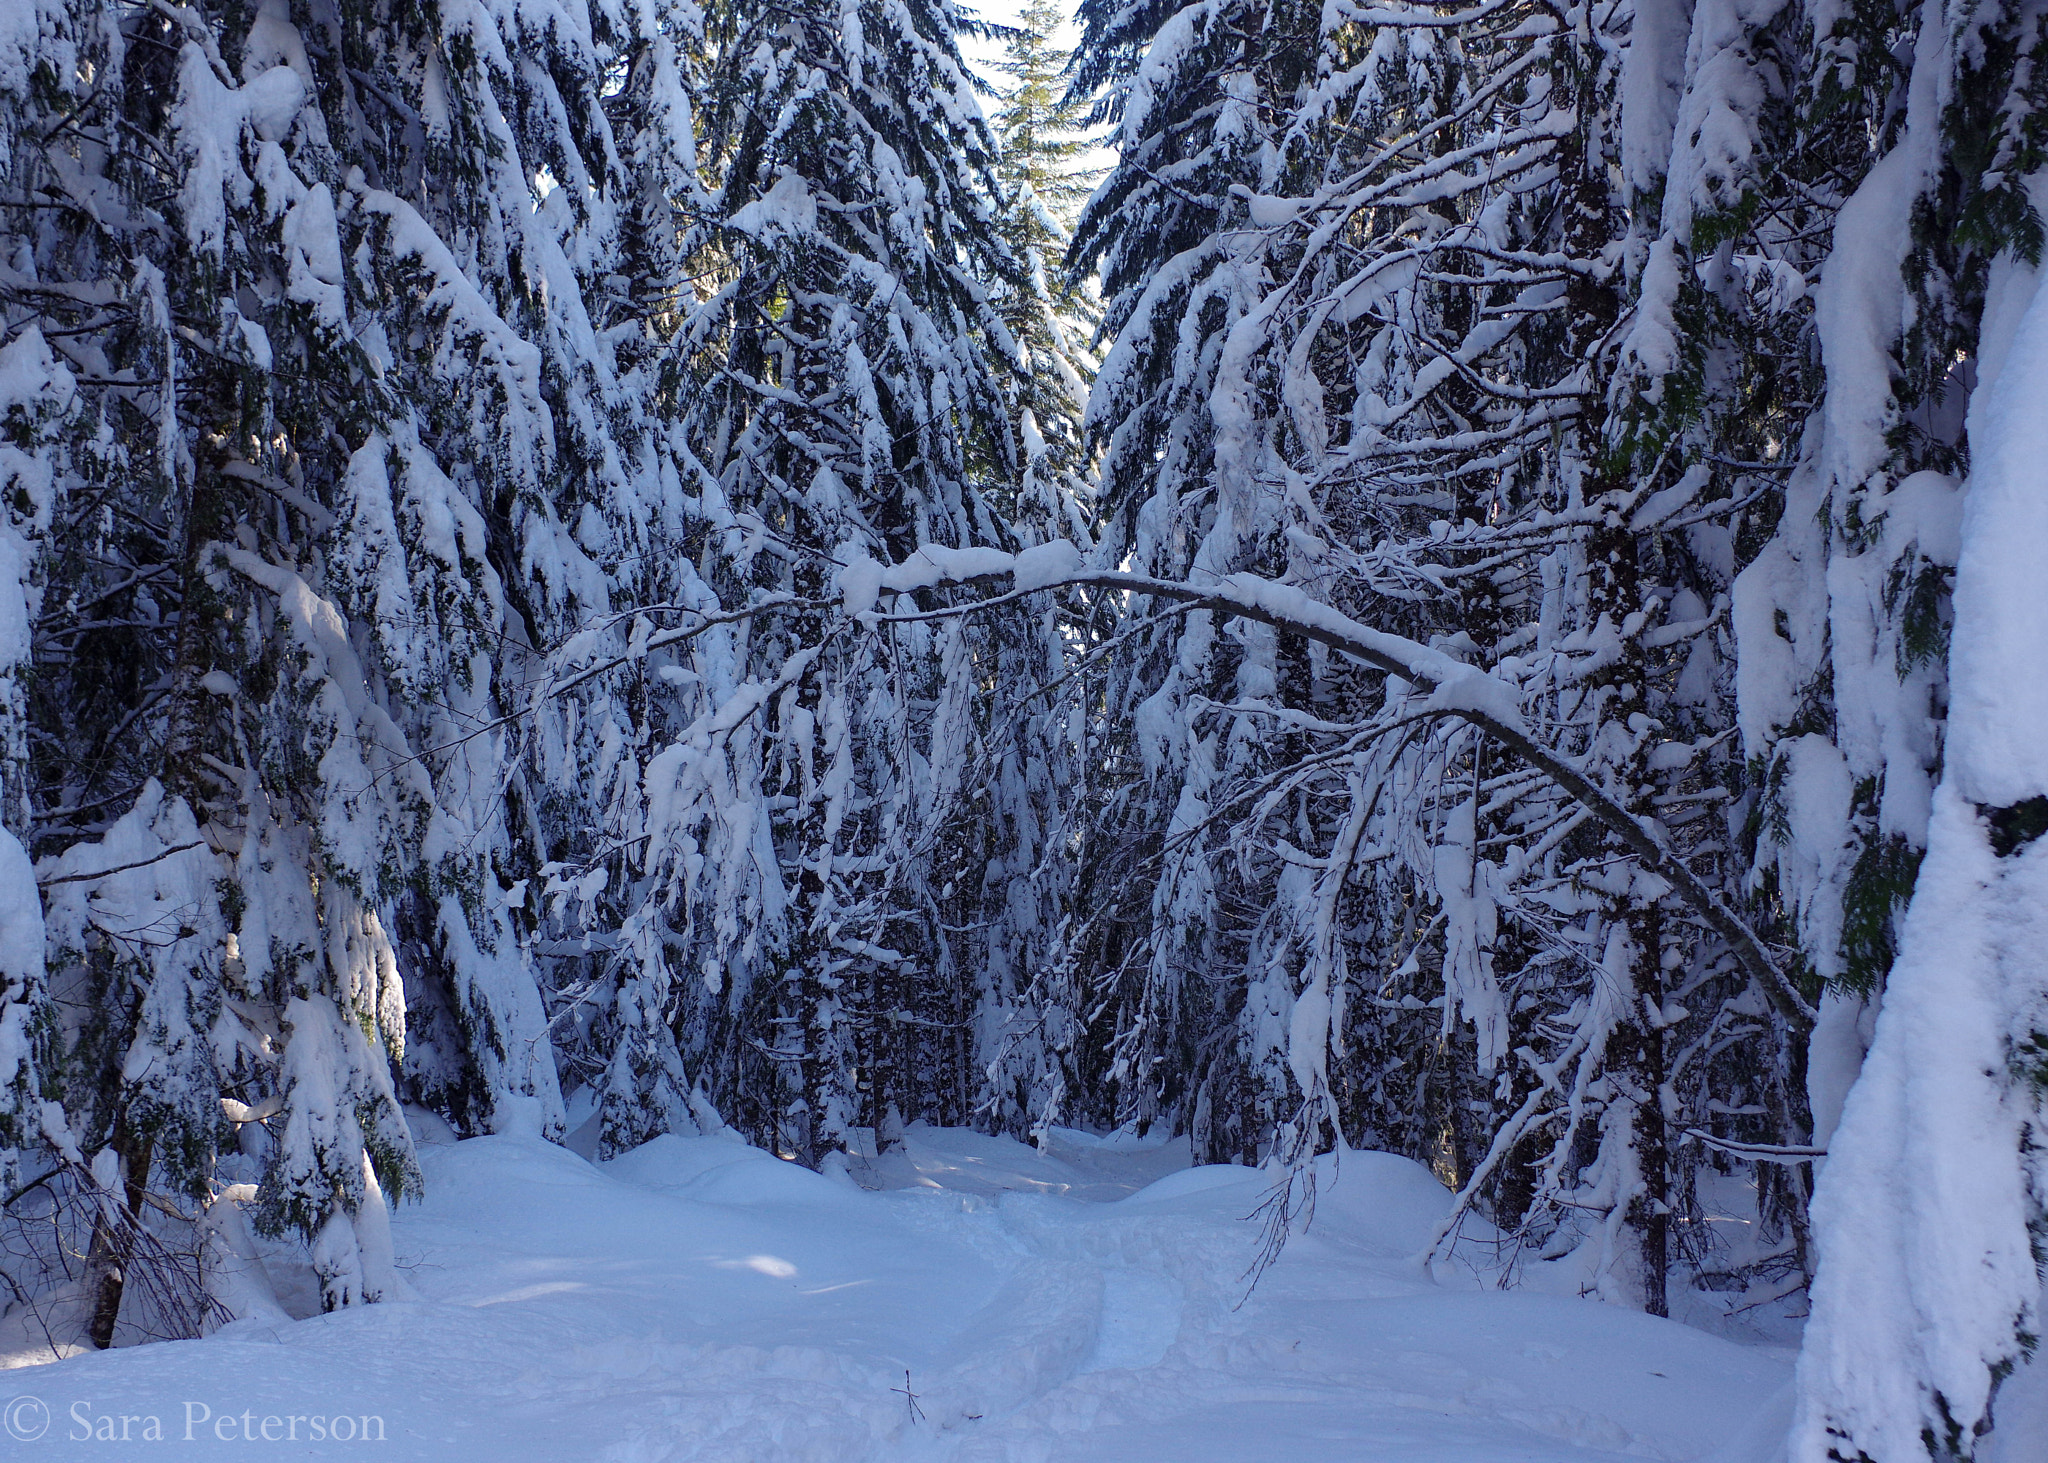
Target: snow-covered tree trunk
x=1931, y=1207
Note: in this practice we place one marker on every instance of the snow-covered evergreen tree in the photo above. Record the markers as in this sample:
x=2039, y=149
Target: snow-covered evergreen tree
x=1415, y=406
x=1197, y=121
x=1044, y=149
x=346, y=444
x=1879, y=689
x=798, y=824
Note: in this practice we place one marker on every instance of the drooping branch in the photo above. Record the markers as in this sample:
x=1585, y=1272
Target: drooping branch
x=1759, y=1152
x=1454, y=689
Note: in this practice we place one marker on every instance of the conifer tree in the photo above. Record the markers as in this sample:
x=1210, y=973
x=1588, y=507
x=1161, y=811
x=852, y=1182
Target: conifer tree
x=1409, y=416
x=1040, y=131
x=845, y=386
x=340, y=394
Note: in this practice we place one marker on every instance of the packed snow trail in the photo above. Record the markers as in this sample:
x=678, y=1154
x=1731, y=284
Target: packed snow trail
x=967, y=1299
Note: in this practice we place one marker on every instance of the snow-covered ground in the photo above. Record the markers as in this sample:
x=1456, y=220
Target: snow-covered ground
x=700, y=1299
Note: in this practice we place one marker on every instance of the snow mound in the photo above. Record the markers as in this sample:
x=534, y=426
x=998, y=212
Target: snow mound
x=1205, y=1181
x=1382, y=1199
x=670, y=1161
x=698, y=1299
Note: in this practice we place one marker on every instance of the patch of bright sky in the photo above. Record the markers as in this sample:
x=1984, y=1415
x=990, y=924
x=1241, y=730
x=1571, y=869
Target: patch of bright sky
x=1004, y=12
x=983, y=55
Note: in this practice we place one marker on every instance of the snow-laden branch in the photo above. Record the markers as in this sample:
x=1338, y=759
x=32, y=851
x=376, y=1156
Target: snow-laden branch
x=1759, y=1152
x=1453, y=689
x=82, y=877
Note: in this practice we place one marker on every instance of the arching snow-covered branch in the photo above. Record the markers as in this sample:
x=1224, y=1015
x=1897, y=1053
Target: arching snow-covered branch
x=1454, y=689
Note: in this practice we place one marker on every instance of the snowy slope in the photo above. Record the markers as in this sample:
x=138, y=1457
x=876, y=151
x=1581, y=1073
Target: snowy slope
x=699, y=1299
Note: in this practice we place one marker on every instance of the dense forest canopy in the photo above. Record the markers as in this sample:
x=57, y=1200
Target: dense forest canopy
x=609, y=569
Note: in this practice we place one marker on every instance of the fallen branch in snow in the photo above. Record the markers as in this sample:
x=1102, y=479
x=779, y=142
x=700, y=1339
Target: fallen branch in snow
x=161, y=1266
x=910, y=1399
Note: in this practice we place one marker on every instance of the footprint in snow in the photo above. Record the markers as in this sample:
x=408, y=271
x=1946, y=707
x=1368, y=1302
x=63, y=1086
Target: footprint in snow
x=1140, y=1319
